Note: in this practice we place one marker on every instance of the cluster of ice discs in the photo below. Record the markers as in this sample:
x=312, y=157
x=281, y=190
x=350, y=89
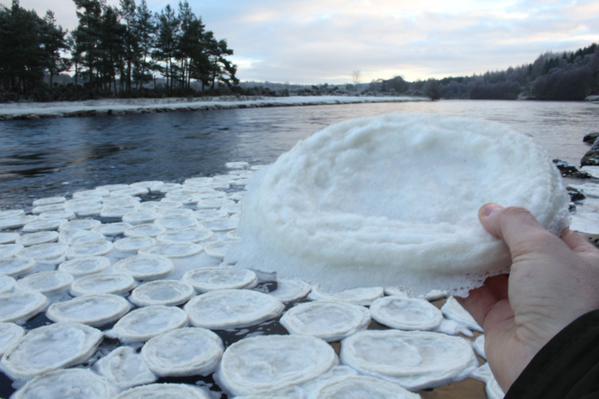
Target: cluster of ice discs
x=123, y=292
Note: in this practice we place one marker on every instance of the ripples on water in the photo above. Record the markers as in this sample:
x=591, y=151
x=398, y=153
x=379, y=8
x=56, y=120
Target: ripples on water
x=46, y=157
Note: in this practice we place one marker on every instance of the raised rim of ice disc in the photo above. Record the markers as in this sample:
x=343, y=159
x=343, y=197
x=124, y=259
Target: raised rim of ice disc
x=114, y=283
x=8, y=251
x=183, y=352
x=144, y=323
x=49, y=348
x=85, y=265
x=406, y=313
x=40, y=237
x=357, y=296
x=93, y=310
x=173, y=250
x=47, y=282
x=125, y=368
x=224, y=309
x=290, y=290
x=79, y=383
x=16, y=266
x=414, y=359
x=7, y=283
x=95, y=248
x=363, y=385
x=20, y=305
x=165, y=391
x=145, y=267
x=194, y=235
x=10, y=334
x=278, y=361
x=219, y=278
x=147, y=294
x=330, y=321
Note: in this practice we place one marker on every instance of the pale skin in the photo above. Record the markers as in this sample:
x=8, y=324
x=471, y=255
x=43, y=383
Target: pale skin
x=552, y=281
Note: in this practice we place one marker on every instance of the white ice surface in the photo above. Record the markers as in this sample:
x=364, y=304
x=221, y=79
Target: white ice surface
x=393, y=201
x=162, y=292
x=113, y=283
x=406, y=313
x=277, y=361
x=144, y=323
x=145, y=267
x=492, y=388
x=454, y=311
x=357, y=296
x=183, y=352
x=10, y=334
x=93, y=310
x=19, y=305
x=219, y=278
x=72, y=383
x=164, y=391
x=289, y=290
x=124, y=368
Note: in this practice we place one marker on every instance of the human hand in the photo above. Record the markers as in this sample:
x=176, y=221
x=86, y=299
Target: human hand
x=552, y=282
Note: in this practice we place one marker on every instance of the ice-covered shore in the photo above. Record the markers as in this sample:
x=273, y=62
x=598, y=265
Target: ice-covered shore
x=34, y=110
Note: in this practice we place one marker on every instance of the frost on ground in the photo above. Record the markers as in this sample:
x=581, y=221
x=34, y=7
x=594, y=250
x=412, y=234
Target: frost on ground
x=121, y=106
x=118, y=317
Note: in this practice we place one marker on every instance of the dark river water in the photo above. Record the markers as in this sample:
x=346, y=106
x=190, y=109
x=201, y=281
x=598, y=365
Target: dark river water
x=40, y=158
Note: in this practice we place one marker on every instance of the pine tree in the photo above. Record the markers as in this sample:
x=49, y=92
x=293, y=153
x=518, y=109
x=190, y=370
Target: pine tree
x=54, y=43
x=144, y=30
x=166, y=44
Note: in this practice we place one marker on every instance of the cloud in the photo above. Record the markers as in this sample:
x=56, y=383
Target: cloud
x=313, y=41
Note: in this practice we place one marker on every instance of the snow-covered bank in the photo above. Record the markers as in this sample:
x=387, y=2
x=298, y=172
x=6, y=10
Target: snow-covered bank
x=124, y=106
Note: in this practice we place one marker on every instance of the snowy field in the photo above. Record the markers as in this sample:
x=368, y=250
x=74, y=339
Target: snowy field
x=112, y=290
x=121, y=106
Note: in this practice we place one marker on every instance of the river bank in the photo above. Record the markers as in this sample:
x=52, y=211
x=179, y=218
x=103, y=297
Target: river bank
x=37, y=110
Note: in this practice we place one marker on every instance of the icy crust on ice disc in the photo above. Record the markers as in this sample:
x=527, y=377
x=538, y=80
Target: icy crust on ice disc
x=289, y=290
x=220, y=277
x=49, y=348
x=275, y=362
x=393, y=201
x=93, y=310
x=19, y=305
x=116, y=283
x=330, y=321
x=84, y=266
x=406, y=313
x=47, y=282
x=183, y=352
x=414, y=359
x=145, y=267
x=71, y=384
x=223, y=309
x=164, y=391
x=162, y=292
x=124, y=368
x=454, y=311
x=145, y=323
x=9, y=335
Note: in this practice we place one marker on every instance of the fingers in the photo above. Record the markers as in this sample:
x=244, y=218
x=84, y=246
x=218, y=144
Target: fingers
x=518, y=228
x=480, y=301
x=576, y=242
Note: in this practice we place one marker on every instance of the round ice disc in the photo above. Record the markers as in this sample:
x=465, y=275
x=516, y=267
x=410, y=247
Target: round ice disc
x=194, y=235
x=406, y=313
x=479, y=346
x=8, y=238
x=124, y=368
x=49, y=201
x=16, y=266
x=396, y=291
x=49, y=348
x=330, y=321
x=41, y=237
x=7, y=283
x=358, y=296
x=139, y=216
x=222, y=225
x=144, y=230
x=414, y=359
x=359, y=386
x=224, y=309
x=10, y=250
x=93, y=310
x=164, y=391
x=289, y=290
x=217, y=249
x=112, y=229
x=85, y=265
x=74, y=383
x=12, y=222
x=44, y=252
x=80, y=224
x=10, y=334
x=48, y=208
x=277, y=361
x=183, y=352
x=173, y=250
x=145, y=267
x=219, y=278
x=49, y=282
x=42, y=224
x=19, y=305
x=94, y=248
x=176, y=222
x=76, y=237
x=116, y=211
x=162, y=292
x=115, y=283
x=147, y=322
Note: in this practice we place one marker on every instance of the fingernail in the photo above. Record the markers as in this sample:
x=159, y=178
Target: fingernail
x=488, y=210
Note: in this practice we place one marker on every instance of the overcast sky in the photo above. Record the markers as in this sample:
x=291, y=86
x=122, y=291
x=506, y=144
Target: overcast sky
x=316, y=41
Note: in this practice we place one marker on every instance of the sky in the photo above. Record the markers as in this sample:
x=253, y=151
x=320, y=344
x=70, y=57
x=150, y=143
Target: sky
x=318, y=41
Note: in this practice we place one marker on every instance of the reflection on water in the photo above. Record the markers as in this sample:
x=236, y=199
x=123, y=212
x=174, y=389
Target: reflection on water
x=54, y=156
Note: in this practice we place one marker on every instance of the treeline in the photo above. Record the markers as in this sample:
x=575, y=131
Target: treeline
x=567, y=76
x=123, y=50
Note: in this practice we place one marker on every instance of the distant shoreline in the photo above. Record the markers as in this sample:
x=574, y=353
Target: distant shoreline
x=63, y=109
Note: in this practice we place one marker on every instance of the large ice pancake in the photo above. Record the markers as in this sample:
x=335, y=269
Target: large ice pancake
x=393, y=200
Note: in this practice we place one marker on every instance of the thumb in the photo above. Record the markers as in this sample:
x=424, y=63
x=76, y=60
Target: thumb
x=518, y=228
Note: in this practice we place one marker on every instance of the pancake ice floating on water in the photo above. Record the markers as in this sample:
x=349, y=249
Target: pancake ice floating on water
x=93, y=310
x=10, y=334
x=393, y=201
x=268, y=363
x=164, y=391
x=19, y=305
x=144, y=323
x=124, y=368
x=162, y=292
x=219, y=278
x=414, y=359
x=406, y=313
x=71, y=383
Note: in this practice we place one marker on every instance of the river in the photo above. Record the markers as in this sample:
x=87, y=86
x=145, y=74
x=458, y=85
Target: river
x=40, y=158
